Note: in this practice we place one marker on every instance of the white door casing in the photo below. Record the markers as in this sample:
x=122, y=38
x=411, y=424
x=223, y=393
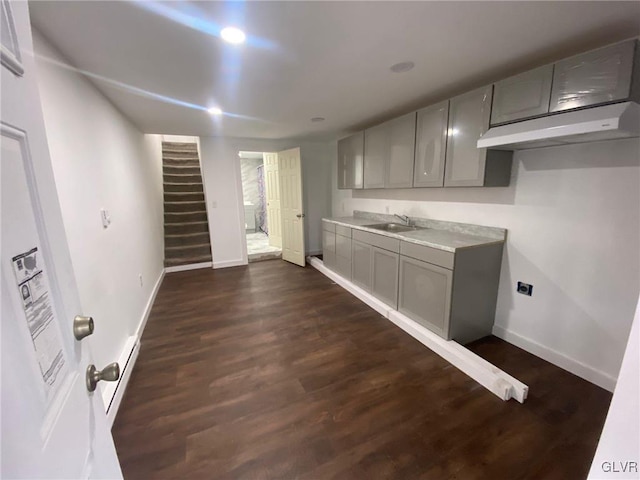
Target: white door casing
x=52, y=428
x=290, y=169
x=272, y=193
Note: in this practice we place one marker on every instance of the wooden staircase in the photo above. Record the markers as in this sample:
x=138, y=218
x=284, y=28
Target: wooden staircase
x=186, y=230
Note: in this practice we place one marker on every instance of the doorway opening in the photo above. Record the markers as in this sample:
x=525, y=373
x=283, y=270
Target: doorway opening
x=261, y=231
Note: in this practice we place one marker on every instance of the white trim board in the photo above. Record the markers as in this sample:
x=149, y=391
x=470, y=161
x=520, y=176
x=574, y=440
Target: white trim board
x=230, y=263
x=113, y=392
x=184, y=268
x=489, y=376
x=569, y=364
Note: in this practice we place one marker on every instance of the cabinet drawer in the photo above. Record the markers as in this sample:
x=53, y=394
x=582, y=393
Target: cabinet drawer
x=343, y=247
x=344, y=231
x=427, y=254
x=328, y=226
x=391, y=244
x=328, y=242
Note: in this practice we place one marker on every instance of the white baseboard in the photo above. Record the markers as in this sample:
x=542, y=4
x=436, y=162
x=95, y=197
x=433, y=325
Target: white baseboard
x=112, y=393
x=149, y=306
x=586, y=372
x=184, y=268
x=229, y=263
x=486, y=374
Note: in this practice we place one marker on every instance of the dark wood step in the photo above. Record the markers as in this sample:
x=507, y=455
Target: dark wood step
x=183, y=197
x=182, y=178
x=187, y=251
x=180, y=217
x=179, y=147
x=168, y=161
x=174, y=207
x=176, y=262
x=177, y=240
x=171, y=187
x=186, y=228
x=181, y=169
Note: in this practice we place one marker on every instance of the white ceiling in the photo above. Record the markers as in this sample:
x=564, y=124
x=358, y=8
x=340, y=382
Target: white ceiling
x=312, y=59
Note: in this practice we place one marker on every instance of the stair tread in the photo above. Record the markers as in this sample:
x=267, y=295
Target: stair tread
x=187, y=260
x=180, y=235
x=181, y=224
x=186, y=247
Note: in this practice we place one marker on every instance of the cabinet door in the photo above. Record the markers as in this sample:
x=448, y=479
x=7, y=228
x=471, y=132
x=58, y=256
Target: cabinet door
x=328, y=241
x=343, y=246
x=376, y=151
x=600, y=76
x=329, y=249
x=361, y=265
x=343, y=266
x=431, y=142
x=468, y=120
x=425, y=294
x=350, y=161
x=402, y=143
x=523, y=96
x=385, y=276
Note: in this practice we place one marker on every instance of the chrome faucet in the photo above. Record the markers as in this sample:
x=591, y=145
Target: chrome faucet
x=404, y=218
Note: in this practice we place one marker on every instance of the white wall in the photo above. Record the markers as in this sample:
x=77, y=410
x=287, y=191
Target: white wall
x=573, y=216
x=223, y=184
x=100, y=160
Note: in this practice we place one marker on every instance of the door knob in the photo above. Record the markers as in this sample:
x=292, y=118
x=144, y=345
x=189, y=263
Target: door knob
x=82, y=326
x=300, y=215
x=110, y=373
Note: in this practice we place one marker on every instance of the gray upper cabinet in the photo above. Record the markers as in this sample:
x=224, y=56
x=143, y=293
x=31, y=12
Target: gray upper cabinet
x=376, y=148
x=402, y=142
x=389, y=153
x=466, y=165
x=350, y=161
x=600, y=76
x=431, y=145
x=523, y=96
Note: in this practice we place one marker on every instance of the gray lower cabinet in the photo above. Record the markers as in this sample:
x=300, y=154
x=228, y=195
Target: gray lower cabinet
x=350, y=161
x=343, y=254
x=375, y=265
x=466, y=165
x=329, y=248
x=384, y=276
x=522, y=96
x=361, y=264
x=425, y=294
x=605, y=75
x=431, y=145
x=453, y=295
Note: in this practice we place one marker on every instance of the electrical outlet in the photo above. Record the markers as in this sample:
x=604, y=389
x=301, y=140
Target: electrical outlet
x=525, y=288
x=141, y=281
x=214, y=204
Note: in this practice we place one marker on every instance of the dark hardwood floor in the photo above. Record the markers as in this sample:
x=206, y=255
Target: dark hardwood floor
x=273, y=371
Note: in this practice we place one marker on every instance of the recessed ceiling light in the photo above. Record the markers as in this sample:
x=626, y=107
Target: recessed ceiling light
x=232, y=35
x=402, y=67
x=317, y=119
x=215, y=111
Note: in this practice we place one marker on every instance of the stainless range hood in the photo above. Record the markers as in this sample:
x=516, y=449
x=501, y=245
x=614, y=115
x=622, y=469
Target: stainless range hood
x=621, y=120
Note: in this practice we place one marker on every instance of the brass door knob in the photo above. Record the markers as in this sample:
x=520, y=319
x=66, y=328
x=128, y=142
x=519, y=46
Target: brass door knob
x=110, y=373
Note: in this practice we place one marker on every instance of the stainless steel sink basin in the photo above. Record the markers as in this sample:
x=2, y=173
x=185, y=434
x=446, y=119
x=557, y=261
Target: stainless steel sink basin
x=393, y=227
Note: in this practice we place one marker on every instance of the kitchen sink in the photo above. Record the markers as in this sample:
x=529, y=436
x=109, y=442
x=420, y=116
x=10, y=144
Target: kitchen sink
x=394, y=227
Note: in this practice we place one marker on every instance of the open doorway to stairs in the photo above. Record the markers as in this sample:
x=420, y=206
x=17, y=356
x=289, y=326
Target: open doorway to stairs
x=261, y=206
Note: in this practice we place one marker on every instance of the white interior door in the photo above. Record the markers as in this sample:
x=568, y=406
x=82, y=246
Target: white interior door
x=52, y=427
x=272, y=193
x=290, y=170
